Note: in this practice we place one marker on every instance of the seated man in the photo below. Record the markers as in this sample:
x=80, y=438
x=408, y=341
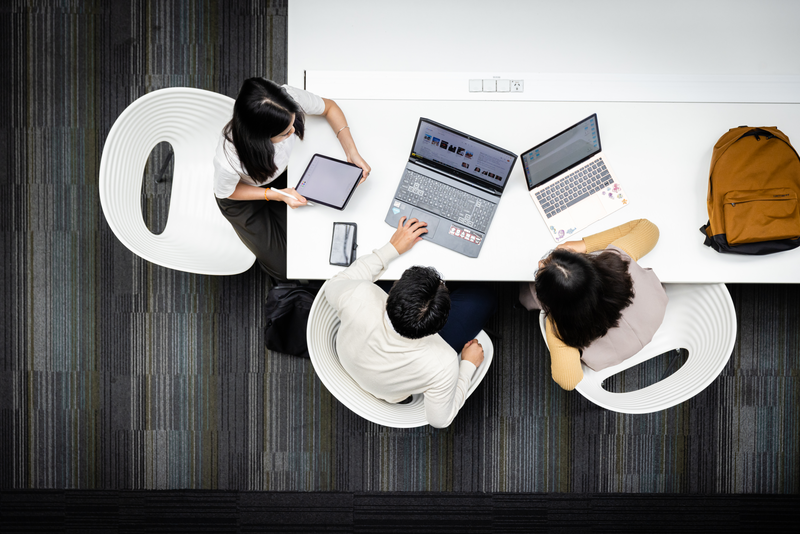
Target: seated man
x=407, y=342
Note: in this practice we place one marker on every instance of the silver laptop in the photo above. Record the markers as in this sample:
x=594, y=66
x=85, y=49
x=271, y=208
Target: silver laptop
x=452, y=182
x=570, y=180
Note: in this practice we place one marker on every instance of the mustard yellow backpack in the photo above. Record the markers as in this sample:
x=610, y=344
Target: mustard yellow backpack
x=753, y=187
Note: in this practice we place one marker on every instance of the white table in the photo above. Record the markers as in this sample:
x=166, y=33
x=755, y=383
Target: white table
x=659, y=159
x=659, y=150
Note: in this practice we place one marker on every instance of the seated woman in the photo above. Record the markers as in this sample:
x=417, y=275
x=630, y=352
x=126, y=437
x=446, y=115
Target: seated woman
x=252, y=153
x=601, y=306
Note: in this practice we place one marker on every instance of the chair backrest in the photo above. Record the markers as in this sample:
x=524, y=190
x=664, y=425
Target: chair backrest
x=323, y=325
x=701, y=319
x=196, y=238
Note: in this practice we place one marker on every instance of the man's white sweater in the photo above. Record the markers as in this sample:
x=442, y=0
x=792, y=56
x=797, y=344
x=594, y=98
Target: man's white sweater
x=383, y=362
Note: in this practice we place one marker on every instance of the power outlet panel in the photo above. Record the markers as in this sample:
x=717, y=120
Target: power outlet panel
x=496, y=85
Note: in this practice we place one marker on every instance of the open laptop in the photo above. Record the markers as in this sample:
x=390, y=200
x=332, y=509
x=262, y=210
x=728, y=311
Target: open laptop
x=453, y=182
x=570, y=180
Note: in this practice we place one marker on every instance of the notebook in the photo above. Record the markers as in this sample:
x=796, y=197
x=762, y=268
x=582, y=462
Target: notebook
x=570, y=180
x=453, y=182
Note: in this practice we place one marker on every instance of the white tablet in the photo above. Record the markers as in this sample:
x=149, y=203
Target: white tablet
x=329, y=181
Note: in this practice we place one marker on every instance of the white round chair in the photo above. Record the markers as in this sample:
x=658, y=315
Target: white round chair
x=197, y=238
x=701, y=319
x=323, y=325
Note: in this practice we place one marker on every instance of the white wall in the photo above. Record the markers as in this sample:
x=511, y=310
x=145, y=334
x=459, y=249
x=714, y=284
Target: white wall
x=680, y=37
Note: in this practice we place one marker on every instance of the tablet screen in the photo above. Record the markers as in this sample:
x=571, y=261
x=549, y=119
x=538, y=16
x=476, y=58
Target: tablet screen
x=329, y=181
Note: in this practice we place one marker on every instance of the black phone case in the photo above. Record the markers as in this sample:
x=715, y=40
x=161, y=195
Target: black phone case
x=350, y=246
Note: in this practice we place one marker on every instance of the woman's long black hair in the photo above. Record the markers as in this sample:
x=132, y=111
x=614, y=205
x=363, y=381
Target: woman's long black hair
x=584, y=294
x=262, y=110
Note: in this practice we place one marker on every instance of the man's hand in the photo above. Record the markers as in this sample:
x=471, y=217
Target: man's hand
x=408, y=234
x=473, y=352
x=574, y=246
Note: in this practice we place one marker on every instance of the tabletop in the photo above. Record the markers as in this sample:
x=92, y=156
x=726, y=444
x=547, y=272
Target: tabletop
x=659, y=152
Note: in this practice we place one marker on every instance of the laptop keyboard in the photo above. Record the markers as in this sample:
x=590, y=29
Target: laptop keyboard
x=574, y=187
x=445, y=201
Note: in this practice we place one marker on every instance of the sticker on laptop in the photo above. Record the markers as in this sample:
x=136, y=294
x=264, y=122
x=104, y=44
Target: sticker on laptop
x=560, y=233
x=465, y=234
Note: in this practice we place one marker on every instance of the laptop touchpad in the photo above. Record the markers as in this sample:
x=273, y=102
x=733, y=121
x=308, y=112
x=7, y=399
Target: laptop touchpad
x=430, y=219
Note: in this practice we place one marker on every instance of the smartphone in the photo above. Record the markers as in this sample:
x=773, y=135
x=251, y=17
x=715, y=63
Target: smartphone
x=343, y=244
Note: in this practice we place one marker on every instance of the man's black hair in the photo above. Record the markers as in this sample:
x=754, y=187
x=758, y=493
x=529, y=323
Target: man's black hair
x=418, y=303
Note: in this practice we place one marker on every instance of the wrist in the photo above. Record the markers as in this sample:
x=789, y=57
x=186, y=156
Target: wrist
x=469, y=361
x=273, y=195
x=346, y=140
x=591, y=244
x=395, y=248
x=387, y=253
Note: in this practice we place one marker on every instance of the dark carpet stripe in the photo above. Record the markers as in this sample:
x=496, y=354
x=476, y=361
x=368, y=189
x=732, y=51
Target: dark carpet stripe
x=215, y=511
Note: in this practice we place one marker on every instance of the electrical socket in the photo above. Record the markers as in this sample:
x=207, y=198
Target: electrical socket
x=517, y=86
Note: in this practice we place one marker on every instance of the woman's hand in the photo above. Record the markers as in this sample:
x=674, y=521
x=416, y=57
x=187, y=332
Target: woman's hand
x=292, y=198
x=574, y=246
x=356, y=159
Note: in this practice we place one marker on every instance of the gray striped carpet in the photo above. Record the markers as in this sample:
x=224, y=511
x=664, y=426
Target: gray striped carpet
x=118, y=374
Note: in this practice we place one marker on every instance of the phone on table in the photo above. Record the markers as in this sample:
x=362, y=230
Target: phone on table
x=343, y=244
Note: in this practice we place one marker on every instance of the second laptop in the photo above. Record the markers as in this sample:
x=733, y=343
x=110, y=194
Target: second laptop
x=453, y=182
x=570, y=180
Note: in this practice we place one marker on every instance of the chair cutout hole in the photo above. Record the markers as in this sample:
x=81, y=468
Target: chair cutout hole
x=157, y=187
x=646, y=373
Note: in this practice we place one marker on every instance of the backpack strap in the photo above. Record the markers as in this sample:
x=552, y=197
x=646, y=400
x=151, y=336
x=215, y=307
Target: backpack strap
x=757, y=133
x=735, y=134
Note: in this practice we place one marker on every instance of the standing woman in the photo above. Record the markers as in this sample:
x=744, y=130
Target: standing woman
x=602, y=307
x=252, y=153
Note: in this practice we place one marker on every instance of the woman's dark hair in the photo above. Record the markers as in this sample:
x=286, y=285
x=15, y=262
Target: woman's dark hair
x=584, y=294
x=262, y=110
x=418, y=303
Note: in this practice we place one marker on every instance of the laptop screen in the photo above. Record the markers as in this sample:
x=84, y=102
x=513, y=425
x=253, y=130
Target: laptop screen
x=561, y=152
x=462, y=155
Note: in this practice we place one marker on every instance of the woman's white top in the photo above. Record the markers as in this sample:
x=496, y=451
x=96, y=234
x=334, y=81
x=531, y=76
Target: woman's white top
x=228, y=169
